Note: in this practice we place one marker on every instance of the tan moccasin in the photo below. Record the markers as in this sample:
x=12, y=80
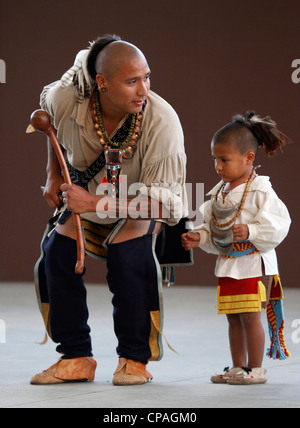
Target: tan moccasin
x=227, y=374
x=248, y=376
x=130, y=372
x=67, y=370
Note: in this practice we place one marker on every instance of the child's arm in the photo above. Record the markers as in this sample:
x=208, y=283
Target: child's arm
x=190, y=240
x=271, y=224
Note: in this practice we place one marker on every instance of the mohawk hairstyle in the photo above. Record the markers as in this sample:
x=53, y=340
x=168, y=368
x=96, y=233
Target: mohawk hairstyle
x=96, y=48
x=264, y=130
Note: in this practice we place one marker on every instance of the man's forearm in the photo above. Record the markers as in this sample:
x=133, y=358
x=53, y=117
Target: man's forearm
x=134, y=207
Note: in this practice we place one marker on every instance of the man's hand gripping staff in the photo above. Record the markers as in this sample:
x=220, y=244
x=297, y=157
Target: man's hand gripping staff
x=40, y=121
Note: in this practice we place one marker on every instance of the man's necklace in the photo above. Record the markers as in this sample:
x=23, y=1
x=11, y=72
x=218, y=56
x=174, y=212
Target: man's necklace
x=127, y=146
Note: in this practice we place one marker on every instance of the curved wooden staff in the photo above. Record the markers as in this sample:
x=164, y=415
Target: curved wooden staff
x=41, y=121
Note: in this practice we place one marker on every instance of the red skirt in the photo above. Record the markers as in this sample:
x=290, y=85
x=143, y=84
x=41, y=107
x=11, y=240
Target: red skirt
x=240, y=295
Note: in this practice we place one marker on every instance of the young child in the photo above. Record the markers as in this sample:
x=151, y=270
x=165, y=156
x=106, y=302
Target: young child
x=243, y=223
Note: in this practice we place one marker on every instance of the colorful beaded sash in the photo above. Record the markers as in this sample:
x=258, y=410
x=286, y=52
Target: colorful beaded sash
x=239, y=249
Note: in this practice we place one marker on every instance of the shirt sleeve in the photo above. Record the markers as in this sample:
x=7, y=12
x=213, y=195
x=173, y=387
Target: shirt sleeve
x=47, y=97
x=271, y=224
x=58, y=102
x=204, y=229
x=163, y=169
x=164, y=181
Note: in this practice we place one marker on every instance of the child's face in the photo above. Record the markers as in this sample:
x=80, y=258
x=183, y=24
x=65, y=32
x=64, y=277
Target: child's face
x=232, y=166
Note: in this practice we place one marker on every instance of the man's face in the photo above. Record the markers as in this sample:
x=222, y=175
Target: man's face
x=128, y=87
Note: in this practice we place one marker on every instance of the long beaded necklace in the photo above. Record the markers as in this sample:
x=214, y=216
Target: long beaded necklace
x=129, y=145
x=241, y=206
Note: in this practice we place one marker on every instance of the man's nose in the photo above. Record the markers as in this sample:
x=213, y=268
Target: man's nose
x=143, y=88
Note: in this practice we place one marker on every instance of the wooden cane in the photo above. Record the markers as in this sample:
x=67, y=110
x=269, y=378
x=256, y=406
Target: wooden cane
x=41, y=121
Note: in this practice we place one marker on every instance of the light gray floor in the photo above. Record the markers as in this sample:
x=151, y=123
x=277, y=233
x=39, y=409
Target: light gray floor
x=192, y=327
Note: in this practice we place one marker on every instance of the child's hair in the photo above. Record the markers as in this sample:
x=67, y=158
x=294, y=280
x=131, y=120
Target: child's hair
x=263, y=132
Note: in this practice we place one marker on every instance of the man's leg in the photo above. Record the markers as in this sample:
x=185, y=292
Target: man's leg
x=134, y=279
x=68, y=312
x=67, y=296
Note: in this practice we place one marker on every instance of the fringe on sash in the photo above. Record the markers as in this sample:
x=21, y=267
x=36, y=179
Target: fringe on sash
x=275, y=316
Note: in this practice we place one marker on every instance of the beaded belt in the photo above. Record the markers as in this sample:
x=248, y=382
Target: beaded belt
x=239, y=249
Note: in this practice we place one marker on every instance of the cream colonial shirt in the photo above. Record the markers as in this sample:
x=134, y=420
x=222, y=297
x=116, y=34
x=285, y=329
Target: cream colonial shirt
x=159, y=162
x=268, y=220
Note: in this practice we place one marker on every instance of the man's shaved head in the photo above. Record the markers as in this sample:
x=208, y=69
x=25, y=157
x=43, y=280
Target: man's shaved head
x=113, y=55
x=106, y=54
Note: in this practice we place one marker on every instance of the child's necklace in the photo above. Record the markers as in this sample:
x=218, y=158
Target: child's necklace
x=241, y=206
x=225, y=192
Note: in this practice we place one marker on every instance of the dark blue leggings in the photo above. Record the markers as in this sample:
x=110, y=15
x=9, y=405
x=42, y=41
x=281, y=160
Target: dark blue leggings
x=132, y=278
x=67, y=297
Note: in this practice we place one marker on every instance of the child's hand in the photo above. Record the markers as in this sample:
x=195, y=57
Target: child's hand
x=190, y=240
x=240, y=232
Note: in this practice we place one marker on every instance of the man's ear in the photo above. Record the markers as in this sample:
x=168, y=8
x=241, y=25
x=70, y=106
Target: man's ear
x=100, y=79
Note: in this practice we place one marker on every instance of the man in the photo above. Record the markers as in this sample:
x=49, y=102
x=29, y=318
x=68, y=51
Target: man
x=102, y=104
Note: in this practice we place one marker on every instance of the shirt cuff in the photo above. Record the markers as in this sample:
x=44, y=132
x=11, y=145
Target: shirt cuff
x=204, y=237
x=252, y=232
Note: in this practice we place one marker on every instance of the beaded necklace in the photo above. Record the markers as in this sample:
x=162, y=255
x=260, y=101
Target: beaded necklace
x=241, y=206
x=127, y=146
x=226, y=192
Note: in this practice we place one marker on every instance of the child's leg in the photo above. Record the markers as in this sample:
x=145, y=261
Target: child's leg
x=255, y=338
x=237, y=340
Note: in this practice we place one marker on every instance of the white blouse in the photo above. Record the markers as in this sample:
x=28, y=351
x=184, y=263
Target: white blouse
x=268, y=221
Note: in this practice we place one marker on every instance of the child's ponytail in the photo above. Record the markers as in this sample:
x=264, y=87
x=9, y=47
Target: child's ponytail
x=264, y=130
